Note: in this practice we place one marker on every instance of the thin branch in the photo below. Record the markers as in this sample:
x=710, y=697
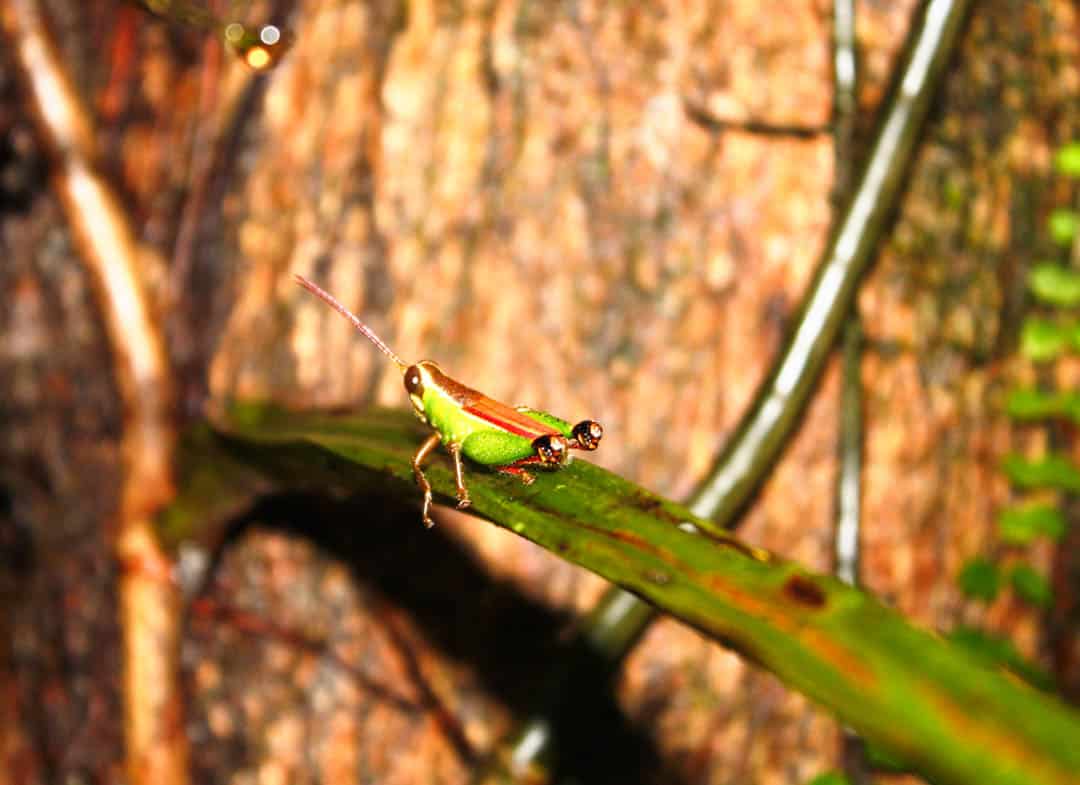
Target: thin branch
x=848, y=522
x=703, y=117
x=846, y=541
x=782, y=397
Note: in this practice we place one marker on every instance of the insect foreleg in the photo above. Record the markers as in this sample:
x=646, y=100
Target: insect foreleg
x=459, y=476
x=516, y=471
x=425, y=449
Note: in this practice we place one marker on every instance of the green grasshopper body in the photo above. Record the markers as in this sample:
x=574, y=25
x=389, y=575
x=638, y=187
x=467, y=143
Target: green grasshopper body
x=508, y=439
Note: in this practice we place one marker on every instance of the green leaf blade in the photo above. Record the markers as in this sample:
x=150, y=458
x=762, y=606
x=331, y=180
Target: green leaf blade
x=900, y=687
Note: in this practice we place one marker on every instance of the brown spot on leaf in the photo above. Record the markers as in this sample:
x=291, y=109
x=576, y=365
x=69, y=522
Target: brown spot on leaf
x=804, y=592
x=654, y=506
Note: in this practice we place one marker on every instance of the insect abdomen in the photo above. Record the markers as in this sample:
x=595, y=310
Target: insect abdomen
x=495, y=448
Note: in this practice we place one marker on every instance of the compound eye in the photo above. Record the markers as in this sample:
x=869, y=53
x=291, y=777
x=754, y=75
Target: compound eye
x=414, y=383
x=550, y=448
x=587, y=434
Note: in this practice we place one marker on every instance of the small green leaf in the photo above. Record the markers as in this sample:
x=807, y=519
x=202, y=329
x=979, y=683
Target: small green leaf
x=1030, y=404
x=1031, y=585
x=1068, y=404
x=980, y=579
x=1064, y=225
x=1020, y=525
x=953, y=194
x=1042, y=340
x=1067, y=160
x=830, y=778
x=1055, y=284
x=1053, y=471
x=1000, y=652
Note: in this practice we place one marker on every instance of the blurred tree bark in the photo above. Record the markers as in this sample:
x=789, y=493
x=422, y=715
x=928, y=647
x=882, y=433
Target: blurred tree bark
x=527, y=193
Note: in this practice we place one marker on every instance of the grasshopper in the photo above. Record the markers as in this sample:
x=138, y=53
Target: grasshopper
x=506, y=438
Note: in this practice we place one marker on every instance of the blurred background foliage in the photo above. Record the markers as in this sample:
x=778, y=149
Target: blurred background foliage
x=600, y=209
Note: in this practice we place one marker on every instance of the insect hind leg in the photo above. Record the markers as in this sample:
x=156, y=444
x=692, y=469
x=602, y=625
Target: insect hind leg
x=459, y=476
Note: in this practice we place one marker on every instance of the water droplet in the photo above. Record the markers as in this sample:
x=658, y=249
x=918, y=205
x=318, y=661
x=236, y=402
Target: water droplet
x=234, y=33
x=269, y=35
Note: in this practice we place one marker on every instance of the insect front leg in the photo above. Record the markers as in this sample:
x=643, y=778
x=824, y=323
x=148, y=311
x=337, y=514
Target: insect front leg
x=516, y=471
x=463, y=500
x=425, y=450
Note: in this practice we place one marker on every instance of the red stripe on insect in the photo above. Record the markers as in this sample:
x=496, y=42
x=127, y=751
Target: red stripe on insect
x=505, y=424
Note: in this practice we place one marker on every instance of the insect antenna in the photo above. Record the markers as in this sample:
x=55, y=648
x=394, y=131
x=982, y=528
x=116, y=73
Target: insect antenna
x=330, y=300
